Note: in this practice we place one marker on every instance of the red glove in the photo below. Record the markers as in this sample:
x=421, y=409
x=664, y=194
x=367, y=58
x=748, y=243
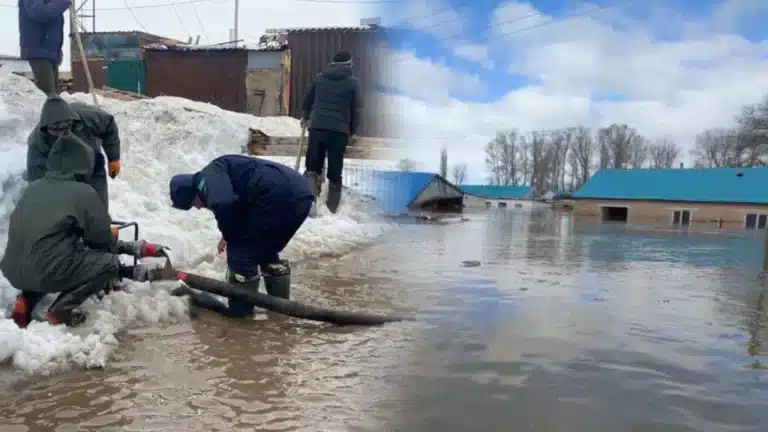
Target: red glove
x=146, y=249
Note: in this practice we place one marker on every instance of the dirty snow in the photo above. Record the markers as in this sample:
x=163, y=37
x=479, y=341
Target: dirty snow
x=160, y=138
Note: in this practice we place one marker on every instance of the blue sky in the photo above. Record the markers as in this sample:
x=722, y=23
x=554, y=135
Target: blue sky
x=499, y=81
x=668, y=68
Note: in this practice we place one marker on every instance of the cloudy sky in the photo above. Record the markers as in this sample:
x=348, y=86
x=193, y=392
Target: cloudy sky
x=464, y=70
x=211, y=19
x=460, y=70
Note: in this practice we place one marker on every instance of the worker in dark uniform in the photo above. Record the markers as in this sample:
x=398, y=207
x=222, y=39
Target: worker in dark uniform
x=332, y=113
x=259, y=206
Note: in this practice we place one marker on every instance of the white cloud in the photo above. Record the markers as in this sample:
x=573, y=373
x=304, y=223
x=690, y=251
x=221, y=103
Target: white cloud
x=424, y=78
x=217, y=18
x=477, y=53
x=675, y=88
x=433, y=17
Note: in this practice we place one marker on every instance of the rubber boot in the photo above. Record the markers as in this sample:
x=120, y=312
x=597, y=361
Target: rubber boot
x=238, y=306
x=334, y=196
x=314, y=183
x=277, y=279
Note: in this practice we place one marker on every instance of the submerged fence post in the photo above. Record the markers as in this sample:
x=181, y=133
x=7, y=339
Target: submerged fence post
x=765, y=254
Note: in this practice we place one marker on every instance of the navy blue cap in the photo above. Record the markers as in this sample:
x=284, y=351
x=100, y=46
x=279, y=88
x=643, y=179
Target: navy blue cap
x=183, y=191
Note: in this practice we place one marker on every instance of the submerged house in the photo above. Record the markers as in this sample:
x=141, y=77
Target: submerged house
x=489, y=196
x=707, y=197
x=399, y=192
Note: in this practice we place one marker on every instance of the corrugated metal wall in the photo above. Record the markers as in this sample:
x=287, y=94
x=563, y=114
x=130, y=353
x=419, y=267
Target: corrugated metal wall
x=215, y=76
x=313, y=49
x=79, y=79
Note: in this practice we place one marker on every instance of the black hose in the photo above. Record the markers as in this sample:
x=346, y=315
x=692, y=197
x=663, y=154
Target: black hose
x=286, y=307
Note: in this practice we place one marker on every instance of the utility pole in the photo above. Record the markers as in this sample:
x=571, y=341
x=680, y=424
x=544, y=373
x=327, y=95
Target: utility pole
x=237, y=22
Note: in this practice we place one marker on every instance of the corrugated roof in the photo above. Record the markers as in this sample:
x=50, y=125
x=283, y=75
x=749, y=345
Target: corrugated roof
x=331, y=28
x=208, y=48
x=128, y=33
x=496, y=192
x=726, y=185
x=395, y=190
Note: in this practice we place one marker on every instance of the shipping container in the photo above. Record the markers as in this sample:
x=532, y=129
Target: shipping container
x=127, y=75
x=312, y=49
x=215, y=75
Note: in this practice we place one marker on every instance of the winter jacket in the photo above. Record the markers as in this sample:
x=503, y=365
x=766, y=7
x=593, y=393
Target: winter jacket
x=332, y=101
x=54, y=213
x=241, y=191
x=41, y=29
x=94, y=126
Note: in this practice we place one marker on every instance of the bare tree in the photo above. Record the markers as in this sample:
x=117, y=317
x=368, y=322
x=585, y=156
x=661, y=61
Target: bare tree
x=619, y=147
x=406, y=165
x=459, y=172
x=444, y=162
x=639, y=148
x=716, y=148
x=752, y=126
x=501, y=157
x=663, y=153
x=582, y=152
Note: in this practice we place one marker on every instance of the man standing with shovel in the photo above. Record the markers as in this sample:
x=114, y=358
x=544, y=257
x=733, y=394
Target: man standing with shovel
x=332, y=108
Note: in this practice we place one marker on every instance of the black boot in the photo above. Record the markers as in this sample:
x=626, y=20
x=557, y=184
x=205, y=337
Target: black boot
x=241, y=307
x=277, y=279
x=334, y=196
x=315, y=184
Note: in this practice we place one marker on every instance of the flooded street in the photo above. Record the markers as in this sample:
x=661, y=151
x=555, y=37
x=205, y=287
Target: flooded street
x=560, y=328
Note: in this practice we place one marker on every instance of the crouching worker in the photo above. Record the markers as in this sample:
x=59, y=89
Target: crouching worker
x=60, y=239
x=259, y=205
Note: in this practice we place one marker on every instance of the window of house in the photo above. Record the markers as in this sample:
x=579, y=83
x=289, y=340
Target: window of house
x=502, y=205
x=681, y=218
x=487, y=204
x=756, y=221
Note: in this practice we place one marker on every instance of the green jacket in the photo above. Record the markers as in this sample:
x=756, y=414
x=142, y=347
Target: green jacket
x=53, y=220
x=94, y=126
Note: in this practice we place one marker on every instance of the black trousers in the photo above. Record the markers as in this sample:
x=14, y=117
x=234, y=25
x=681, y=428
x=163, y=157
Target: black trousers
x=46, y=75
x=323, y=142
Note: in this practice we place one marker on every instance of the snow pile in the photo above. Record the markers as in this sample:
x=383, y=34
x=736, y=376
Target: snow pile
x=160, y=138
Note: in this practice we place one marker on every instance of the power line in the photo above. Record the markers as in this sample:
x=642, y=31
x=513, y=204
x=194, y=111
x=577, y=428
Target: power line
x=552, y=21
x=135, y=18
x=149, y=6
x=200, y=22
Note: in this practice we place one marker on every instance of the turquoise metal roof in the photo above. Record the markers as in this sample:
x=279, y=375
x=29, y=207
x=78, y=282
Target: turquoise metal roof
x=496, y=192
x=731, y=185
x=395, y=190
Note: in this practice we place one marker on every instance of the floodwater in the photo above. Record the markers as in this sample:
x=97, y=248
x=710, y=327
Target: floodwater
x=560, y=328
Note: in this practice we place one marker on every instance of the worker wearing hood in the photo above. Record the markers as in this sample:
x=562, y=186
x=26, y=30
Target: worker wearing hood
x=259, y=205
x=60, y=239
x=92, y=125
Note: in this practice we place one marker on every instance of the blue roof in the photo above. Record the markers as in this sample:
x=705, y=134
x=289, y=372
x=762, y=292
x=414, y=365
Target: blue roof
x=497, y=192
x=394, y=190
x=676, y=184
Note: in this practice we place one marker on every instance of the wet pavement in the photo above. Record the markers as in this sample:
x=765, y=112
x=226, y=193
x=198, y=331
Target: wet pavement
x=560, y=327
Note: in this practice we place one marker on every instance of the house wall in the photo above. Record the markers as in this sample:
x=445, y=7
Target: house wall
x=661, y=213
x=266, y=82
x=472, y=201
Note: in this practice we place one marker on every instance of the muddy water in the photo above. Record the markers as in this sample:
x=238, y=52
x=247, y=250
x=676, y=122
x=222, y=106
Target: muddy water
x=560, y=328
